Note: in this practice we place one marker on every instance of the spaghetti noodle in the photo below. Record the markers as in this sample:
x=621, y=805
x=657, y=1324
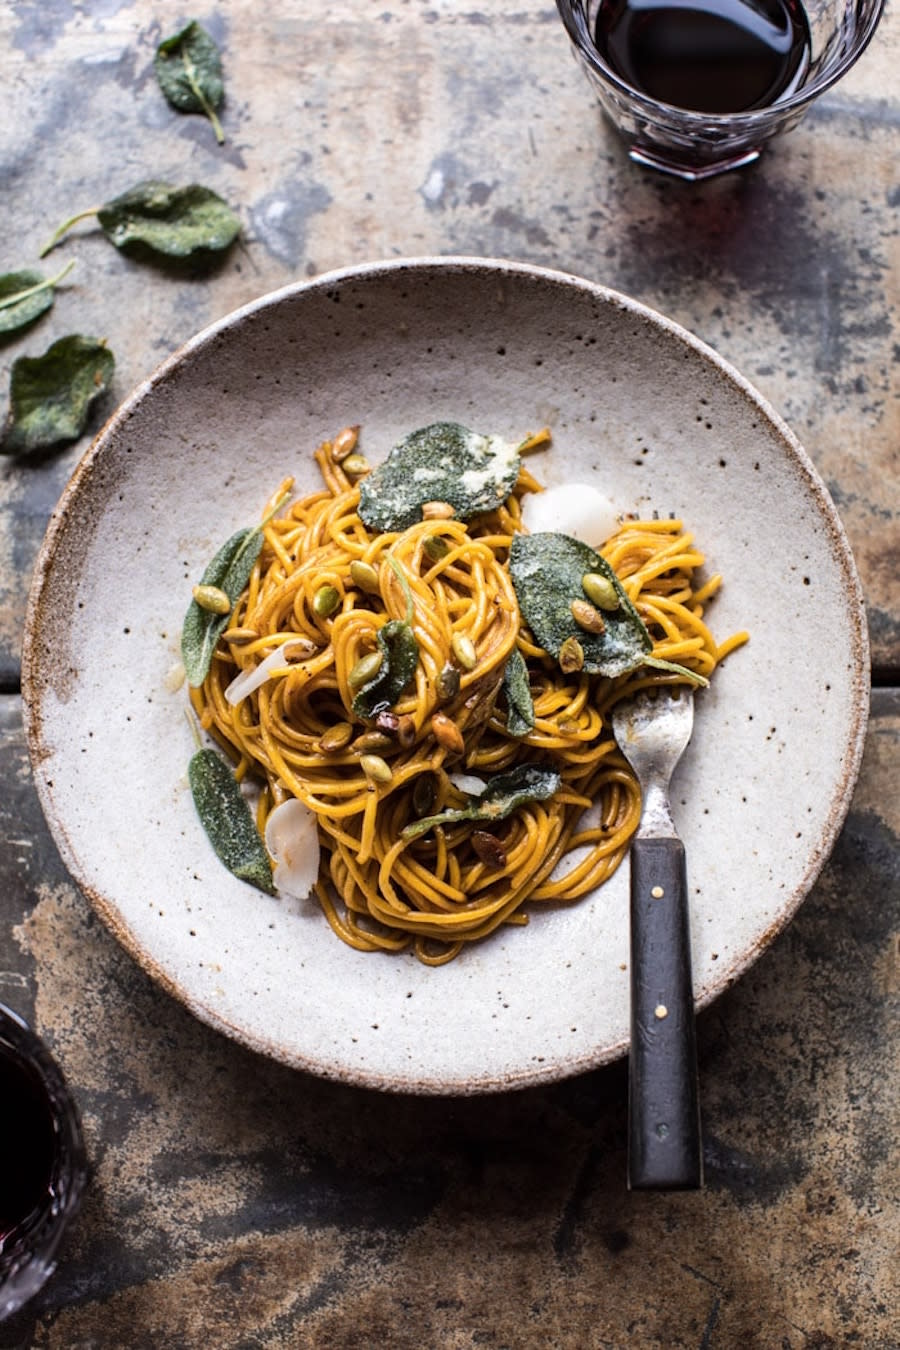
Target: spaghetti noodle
x=321, y=591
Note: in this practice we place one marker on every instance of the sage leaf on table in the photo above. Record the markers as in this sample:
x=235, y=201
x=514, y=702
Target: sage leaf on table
x=230, y=571
x=442, y=462
x=517, y=689
x=188, y=67
x=25, y=296
x=225, y=816
x=504, y=794
x=174, y=221
x=51, y=395
x=547, y=571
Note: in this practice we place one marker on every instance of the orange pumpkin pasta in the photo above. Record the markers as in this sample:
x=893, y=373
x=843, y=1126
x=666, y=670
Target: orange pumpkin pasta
x=322, y=590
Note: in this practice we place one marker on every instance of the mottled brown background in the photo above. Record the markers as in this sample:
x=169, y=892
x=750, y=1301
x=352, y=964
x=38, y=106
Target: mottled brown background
x=236, y=1203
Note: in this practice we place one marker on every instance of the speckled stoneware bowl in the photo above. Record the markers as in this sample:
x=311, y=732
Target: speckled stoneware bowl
x=638, y=407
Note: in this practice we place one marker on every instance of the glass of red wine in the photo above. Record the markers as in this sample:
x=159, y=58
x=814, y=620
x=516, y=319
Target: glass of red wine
x=43, y=1170
x=699, y=86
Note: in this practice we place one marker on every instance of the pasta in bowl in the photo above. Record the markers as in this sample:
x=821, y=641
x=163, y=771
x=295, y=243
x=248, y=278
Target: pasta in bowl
x=456, y=765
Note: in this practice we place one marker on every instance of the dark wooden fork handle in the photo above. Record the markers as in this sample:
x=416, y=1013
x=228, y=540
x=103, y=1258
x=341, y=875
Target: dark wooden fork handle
x=664, y=1143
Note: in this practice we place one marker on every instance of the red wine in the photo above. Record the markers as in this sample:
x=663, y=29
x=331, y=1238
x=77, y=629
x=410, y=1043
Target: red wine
x=712, y=56
x=43, y=1168
x=28, y=1145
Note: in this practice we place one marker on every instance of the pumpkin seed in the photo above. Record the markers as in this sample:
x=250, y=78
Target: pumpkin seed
x=356, y=465
x=600, y=590
x=447, y=684
x=437, y=511
x=212, y=598
x=371, y=742
x=236, y=637
x=587, y=617
x=344, y=443
x=326, y=601
x=406, y=731
x=376, y=769
x=400, y=727
x=489, y=848
x=571, y=656
x=435, y=548
x=366, y=668
x=447, y=733
x=424, y=793
x=365, y=576
x=336, y=738
x=463, y=649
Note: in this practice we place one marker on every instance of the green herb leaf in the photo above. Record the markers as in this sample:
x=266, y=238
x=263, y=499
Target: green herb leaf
x=25, y=296
x=173, y=221
x=51, y=395
x=546, y=571
x=504, y=794
x=229, y=570
x=226, y=818
x=443, y=462
x=517, y=689
x=189, y=70
x=400, y=653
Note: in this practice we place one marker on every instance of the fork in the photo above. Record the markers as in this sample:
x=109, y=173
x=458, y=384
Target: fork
x=664, y=1143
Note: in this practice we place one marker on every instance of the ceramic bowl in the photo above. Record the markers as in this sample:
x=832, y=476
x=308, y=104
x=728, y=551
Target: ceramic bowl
x=637, y=406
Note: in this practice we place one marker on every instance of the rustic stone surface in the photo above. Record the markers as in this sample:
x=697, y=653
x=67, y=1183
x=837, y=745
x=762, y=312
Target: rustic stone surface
x=235, y=1203
x=441, y=128
x=239, y=1204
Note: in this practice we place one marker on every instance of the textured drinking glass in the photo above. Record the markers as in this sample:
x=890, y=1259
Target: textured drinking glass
x=695, y=145
x=42, y=1163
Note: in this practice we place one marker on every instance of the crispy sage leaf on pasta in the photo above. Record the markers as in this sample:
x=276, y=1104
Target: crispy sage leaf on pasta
x=400, y=655
x=226, y=818
x=189, y=70
x=547, y=571
x=229, y=570
x=517, y=689
x=504, y=794
x=443, y=462
x=51, y=396
x=175, y=221
x=25, y=296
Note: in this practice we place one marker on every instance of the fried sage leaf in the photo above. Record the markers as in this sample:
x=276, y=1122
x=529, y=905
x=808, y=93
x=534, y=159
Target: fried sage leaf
x=189, y=70
x=226, y=818
x=547, y=572
x=25, y=296
x=50, y=396
x=504, y=794
x=443, y=462
x=174, y=221
x=517, y=690
x=229, y=571
x=400, y=656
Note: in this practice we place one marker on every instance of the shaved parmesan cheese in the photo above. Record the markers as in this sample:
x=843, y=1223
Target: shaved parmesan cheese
x=292, y=839
x=249, y=680
x=576, y=509
x=468, y=783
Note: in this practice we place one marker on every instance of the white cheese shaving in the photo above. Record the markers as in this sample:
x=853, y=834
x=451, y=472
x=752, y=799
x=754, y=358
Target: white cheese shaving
x=468, y=783
x=576, y=509
x=249, y=680
x=292, y=839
